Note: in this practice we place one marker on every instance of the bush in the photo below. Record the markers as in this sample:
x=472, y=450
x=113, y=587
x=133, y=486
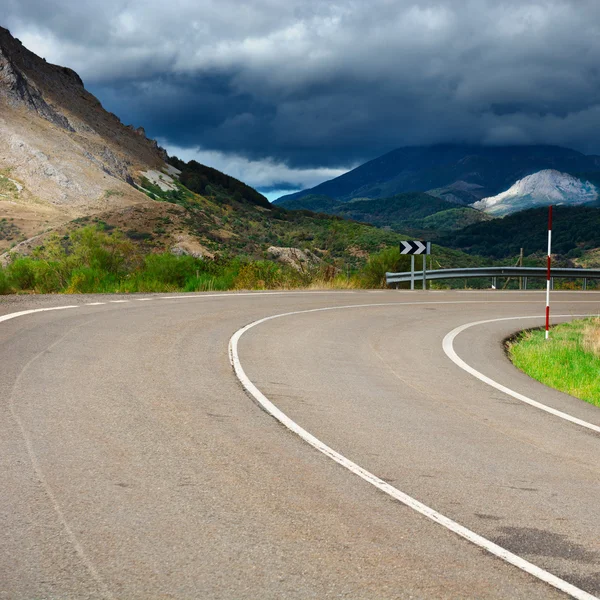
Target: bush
x=87, y=280
x=170, y=269
x=388, y=260
x=50, y=277
x=91, y=247
x=21, y=274
x=4, y=285
x=264, y=275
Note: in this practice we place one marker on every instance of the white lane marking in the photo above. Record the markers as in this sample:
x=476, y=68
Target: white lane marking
x=395, y=493
x=94, y=303
x=238, y=294
x=118, y=301
x=22, y=313
x=144, y=299
x=448, y=346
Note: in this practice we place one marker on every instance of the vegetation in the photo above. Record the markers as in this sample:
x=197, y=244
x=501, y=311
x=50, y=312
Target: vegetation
x=453, y=219
x=210, y=182
x=7, y=187
x=8, y=230
x=413, y=211
x=92, y=259
x=569, y=361
x=576, y=229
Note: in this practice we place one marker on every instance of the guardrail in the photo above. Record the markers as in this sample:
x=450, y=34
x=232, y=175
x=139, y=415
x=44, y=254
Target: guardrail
x=494, y=272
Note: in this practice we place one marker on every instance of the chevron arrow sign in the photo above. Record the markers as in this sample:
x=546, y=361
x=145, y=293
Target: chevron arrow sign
x=415, y=247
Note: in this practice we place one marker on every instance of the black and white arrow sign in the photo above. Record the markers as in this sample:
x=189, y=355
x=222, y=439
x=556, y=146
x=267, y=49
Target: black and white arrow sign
x=415, y=247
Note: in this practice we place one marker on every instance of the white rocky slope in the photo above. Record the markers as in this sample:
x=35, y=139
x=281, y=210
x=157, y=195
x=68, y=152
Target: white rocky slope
x=540, y=189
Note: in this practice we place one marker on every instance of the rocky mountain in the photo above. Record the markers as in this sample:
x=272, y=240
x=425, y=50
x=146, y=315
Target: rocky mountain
x=457, y=173
x=540, y=189
x=62, y=156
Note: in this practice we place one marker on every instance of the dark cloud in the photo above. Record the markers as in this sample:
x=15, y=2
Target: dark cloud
x=300, y=86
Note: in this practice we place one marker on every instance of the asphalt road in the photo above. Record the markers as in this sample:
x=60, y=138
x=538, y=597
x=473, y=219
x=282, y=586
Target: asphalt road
x=134, y=465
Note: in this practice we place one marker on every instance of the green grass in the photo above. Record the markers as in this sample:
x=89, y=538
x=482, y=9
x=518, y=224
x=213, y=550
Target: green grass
x=562, y=362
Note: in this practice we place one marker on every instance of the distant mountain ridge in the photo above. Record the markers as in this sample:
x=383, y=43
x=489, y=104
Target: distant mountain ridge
x=459, y=173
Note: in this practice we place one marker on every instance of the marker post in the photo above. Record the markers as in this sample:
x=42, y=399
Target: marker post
x=548, y=277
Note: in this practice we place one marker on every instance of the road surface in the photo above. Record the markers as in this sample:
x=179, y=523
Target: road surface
x=133, y=464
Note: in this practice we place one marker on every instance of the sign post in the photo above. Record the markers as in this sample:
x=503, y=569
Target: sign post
x=548, y=277
x=413, y=248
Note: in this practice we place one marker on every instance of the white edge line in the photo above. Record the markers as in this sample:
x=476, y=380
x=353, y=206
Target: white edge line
x=22, y=313
x=395, y=493
x=448, y=346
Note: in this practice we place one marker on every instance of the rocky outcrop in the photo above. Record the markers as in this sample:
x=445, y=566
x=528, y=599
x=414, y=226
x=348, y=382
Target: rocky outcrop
x=298, y=259
x=18, y=90
x=57, y=94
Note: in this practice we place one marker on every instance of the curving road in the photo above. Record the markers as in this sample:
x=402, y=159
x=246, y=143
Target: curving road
x=133, y=464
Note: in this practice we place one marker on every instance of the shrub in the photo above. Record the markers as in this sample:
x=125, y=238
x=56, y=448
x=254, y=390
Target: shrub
x=86, y=280
x=4, y=285
x=262, y=274
x=91, y=247
x=21, y=274
x=170, y=269
x=388, y=260
x=50, y=276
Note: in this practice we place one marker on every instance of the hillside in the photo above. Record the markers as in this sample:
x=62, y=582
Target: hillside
x=575, y=233
x=458, y=173
x=408, y=212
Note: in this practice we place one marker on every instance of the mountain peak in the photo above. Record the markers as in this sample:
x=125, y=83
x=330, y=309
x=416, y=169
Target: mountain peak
x=543, y=188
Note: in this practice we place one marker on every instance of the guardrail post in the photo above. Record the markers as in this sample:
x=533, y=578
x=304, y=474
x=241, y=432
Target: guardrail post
x=495, y=283
x=585, y=283
x=424, y=271
x=525, y=283
x=551, y=283
x=412, y=271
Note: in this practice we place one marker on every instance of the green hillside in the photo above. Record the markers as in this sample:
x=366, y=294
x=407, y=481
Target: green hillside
x=410, y=212
x=576, y=230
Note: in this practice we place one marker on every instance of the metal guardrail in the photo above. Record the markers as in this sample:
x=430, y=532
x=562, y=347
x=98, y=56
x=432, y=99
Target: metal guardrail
x=494, y=272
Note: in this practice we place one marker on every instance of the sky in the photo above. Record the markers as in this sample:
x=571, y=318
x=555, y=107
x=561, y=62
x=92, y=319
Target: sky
x=284, y=94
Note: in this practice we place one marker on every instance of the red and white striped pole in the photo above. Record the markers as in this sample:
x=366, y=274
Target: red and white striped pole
x=548, y=278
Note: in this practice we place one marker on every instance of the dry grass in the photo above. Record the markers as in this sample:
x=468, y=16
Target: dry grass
x=591, y=337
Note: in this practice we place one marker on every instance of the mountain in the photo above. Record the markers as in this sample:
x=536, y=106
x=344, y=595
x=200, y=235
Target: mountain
x=540, y=189
x=458, y=173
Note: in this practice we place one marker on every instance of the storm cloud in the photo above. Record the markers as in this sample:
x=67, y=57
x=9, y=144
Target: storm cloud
x=281, y=94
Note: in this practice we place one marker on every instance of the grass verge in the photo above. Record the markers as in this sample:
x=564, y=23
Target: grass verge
x=569, y=361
